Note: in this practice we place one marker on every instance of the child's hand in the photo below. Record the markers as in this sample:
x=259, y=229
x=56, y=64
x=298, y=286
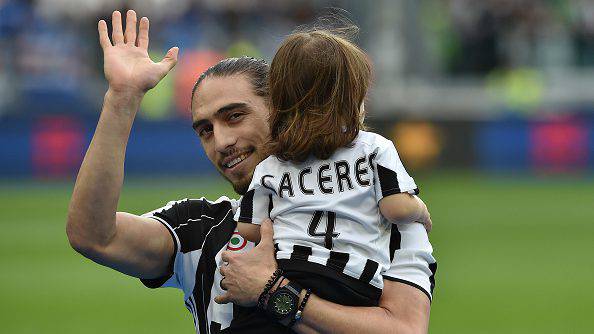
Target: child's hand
x=424, y=215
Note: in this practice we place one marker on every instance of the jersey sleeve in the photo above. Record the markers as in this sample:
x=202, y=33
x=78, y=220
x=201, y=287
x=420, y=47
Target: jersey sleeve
x=412, y=260
x=390, y=175
x=257, y=201
x=188, y=221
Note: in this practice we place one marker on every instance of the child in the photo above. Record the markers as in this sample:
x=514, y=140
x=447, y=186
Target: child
x=332, y=189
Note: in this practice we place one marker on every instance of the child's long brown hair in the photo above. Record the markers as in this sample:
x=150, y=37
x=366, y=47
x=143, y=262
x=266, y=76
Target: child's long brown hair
x=318, y=81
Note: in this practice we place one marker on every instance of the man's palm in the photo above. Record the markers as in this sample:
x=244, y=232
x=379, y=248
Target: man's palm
x=128, y=67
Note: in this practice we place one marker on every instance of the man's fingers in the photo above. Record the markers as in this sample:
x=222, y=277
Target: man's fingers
x=131, y=27
x=223, y=270
x=222, y=284
x=266, y=233
x=116, y=25
x=226, y=256
x=143, y=33
x=103, y=34
x=170, y=58
x=222, y=299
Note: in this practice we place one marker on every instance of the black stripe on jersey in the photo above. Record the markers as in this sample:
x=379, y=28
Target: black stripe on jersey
x=361, y=287
x=185, y=218
x=200, y=224
x=388, y=180
x=246, y=213
x=433, y=268
x=270, y=204
x=215, y=328
x=300, y=253
x=337, y=261
x=217, y=237
x=369, y=271
x=395, y=239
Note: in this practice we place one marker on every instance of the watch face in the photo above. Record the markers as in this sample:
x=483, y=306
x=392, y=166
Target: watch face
x=283, y=304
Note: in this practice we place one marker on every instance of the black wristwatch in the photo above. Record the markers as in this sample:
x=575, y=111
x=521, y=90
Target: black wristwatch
x=283, y=303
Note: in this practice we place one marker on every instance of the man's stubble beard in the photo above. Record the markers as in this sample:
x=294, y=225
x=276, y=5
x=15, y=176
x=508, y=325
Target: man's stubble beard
x=241, y=187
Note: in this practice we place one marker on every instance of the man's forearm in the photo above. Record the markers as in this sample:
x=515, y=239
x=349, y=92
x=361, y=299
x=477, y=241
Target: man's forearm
x=92, y=211
x=322, y=316
x=402, y=309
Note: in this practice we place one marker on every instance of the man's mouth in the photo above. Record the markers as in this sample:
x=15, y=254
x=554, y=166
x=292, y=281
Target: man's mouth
x=234, y=161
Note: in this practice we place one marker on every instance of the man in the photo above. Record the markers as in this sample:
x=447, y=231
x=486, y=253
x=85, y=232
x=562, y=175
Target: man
x=185, y=243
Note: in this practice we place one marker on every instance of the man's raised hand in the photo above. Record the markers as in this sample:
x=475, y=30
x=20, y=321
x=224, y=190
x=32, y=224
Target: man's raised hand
x=127, y=65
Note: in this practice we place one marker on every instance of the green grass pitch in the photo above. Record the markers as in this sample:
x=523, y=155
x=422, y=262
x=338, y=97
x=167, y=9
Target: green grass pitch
x=514, y=253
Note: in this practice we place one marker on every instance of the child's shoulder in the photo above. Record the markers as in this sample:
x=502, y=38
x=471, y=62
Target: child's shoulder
x=372, y=139
x=271, y=164
x=268, y=162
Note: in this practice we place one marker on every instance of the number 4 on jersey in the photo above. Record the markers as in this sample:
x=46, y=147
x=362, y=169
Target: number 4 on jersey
x=328, y=234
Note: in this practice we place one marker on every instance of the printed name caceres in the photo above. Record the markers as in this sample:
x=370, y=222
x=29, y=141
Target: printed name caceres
x=342, y=170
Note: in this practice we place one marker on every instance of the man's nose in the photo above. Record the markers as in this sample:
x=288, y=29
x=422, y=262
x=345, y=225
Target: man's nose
x=225, y=138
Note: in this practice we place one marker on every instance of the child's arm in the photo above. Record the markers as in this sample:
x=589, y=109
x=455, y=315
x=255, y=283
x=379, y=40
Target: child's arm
x=254, y=207
x=249, y=231
x=405, y=208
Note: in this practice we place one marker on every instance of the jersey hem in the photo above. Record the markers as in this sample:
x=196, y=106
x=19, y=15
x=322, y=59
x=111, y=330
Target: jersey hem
x=414, y=285
x=395, y=191
x=248, y=220
x=154, y=283
x=361, y=287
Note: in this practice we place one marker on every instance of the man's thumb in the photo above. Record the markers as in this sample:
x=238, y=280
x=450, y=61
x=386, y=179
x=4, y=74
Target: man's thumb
x=170, y=58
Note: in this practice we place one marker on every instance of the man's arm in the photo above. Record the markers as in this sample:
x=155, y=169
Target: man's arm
x=402, y=308
x=131, y=244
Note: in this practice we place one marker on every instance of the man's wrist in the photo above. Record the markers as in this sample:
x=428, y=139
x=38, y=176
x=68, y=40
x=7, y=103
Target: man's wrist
x=269, y=287
x=282, y=282
x=285, y=281
x=283, y=304
x=123, y=102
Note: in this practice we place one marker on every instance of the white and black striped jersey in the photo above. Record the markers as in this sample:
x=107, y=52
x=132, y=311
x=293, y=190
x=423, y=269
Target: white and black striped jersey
x=325, y=212
x=203, y=229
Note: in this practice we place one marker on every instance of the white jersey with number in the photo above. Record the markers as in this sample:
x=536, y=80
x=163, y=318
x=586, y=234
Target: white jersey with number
x=326, y=212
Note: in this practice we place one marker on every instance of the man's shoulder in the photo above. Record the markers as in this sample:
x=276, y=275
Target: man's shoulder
x=194, y=206
x=193, y=221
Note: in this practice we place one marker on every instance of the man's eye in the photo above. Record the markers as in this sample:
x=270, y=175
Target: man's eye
x=235, y=116
x=205, y=131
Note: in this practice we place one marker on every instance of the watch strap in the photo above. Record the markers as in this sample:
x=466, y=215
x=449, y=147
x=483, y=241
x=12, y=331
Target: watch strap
x=294, y=288
x=299, y=313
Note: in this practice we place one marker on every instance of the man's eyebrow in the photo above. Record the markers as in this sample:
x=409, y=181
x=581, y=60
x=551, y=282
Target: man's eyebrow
x=222, y=110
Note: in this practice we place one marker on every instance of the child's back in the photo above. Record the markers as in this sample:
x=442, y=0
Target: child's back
x=326, y=216
x=327, y=184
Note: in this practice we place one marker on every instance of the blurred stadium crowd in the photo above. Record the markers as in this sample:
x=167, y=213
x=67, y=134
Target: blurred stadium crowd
x=451, y=73
x=490, y=35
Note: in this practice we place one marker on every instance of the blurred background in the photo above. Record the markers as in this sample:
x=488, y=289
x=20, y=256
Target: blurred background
x=490, y=104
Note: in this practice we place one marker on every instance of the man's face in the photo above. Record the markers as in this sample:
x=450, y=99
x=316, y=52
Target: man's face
x=232, y=123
